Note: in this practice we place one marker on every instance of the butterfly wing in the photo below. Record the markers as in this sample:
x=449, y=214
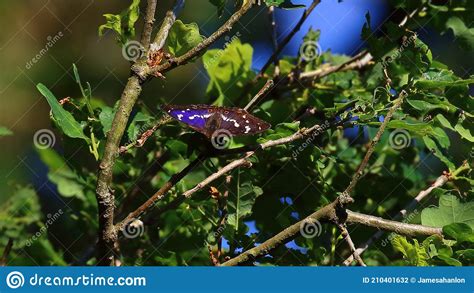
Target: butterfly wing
x=239, y=122
x=207, y=119
x=195, y=116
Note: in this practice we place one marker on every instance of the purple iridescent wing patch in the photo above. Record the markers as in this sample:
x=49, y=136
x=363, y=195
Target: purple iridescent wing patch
x=208, y=119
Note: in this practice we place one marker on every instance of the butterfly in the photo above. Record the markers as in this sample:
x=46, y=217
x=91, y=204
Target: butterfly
x=209, y=119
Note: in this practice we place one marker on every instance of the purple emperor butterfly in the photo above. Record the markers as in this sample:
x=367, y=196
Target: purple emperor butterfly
x=209, y=119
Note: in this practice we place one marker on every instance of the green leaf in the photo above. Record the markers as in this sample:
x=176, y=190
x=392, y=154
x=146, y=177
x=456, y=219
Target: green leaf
x=450, y=210
x=106, y=117
x=63, y=118
x=425, y=106
x=461, y=232
x=18, y=214
x=415, y=127
x=241, y=200
x=5, y=131
x=113, y=23
x=124, y=23
x=228, y=70
x=138, y=125
x=444, y=122
x=464, y=35
x=441, y=79
x=464, y=132
x=466, y=254
x=285, y=4
x=177, y=147
x=433, y=147
x=413, y=253
x=182, y=38
x=67, y=182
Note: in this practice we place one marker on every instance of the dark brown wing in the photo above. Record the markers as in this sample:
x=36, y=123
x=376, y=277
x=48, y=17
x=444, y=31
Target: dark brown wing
x=239, y=122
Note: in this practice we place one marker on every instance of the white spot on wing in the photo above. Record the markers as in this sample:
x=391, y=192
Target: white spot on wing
x=247, y=128
x=180, y=116
x=194, y=116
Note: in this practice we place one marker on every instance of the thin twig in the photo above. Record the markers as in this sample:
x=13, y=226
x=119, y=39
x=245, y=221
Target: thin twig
x=145, y=135
x=440, y=181
x=6, y=252
x=358, y=174
x=271, y=16
x=148, y=24
x=160, y=193
x=263, y=91
x=288, y=38
x=349, y=241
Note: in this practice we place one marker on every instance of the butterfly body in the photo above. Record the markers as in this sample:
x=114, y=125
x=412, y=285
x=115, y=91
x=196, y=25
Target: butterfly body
x=209, y=119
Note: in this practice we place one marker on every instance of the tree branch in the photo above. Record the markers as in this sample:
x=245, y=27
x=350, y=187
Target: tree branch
x=440, y=181
x=199, y=49
x=168, y=21
x=390, y=225
x=104, y=192
x=349, y=241
x=282, y=237
x=107, y=242
x=160, y=193
x=331, y=213
x=261, y=93
x=148, y=24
